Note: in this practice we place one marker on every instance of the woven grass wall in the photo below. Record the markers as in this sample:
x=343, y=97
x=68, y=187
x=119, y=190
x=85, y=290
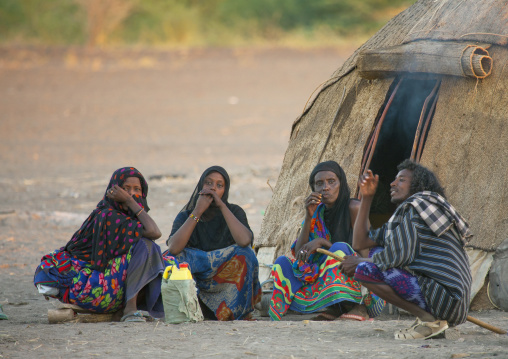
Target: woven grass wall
x=467, y=144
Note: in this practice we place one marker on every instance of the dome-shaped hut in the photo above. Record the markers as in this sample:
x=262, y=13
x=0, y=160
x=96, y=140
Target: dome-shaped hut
x=431, y=85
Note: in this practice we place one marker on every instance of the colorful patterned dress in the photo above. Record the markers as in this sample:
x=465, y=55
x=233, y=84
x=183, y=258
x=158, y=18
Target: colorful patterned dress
x=78, y=283
x=107, y=261
x=317, y=284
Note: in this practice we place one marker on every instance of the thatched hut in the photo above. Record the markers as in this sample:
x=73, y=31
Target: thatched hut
x=431, y=85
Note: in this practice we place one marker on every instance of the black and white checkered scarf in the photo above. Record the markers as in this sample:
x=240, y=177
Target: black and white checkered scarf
x=437, y=213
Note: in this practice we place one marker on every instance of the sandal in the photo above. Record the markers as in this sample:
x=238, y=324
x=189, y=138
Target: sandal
x=133, y=317
x=436, y=328
x=146, y=315
x=358, y=312
x=348, y=316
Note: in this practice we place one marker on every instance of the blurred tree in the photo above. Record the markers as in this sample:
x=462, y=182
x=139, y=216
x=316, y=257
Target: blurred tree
x=190, y=22
x=47, y=22
x=103, y=17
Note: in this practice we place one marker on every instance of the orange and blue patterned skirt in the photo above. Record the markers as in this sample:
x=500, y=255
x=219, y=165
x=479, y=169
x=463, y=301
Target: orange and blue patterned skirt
x=226, y=279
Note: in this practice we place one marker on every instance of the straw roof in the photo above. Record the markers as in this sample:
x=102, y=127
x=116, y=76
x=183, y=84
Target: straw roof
x=467, y=144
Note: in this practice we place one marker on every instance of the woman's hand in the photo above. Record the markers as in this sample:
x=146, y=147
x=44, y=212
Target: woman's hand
x=311, y=203
x=368, y=184
x=307, y=249
x=118, y=194
x=213, y=195
x=204, y=201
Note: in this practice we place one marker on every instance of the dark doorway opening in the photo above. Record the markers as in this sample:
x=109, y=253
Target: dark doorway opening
x=402, y=126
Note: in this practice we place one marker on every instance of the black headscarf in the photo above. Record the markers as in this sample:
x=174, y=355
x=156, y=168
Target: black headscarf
x=337, y=219
x=109, y=231
x=195, y=195
x=212, y=231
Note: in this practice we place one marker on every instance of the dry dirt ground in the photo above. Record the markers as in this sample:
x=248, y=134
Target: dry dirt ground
x=70, y=117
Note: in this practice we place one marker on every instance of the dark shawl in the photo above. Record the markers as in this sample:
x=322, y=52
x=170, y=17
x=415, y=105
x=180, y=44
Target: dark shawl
x=337, y=219
x=211, y=232
x=109, y=232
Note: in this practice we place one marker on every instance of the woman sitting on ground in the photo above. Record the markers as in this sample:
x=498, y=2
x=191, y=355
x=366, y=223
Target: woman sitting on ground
x=111, y=262
x=214, y=238
x=313, y=281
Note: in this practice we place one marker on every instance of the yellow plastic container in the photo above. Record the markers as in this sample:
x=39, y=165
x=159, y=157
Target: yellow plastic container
x=166, y=272
x=181, y=274
x=179, y=295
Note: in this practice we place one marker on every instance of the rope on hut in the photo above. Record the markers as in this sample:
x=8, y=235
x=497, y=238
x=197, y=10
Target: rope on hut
x=483, y=33
x=375, y=135
x=421, y=121
x=369, y=151
x=427, y=122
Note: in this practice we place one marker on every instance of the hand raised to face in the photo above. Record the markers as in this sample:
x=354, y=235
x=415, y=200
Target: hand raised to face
x=311, y=203
x=211, y=193
x=118, y=194
x=202, y=204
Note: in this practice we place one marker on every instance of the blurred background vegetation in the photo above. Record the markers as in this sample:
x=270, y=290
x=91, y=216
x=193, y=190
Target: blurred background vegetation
x=184, y=23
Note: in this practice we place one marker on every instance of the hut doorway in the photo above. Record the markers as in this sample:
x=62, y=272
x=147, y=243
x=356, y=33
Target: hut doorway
x=399, y=132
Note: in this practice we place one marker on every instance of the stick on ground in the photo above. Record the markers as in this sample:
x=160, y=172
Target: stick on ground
x=486, y=325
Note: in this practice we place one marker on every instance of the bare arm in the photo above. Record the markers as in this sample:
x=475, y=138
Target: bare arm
x=354, y=209
x=177, y=242
x=368, y=185
x=241, y=234
x=150, y=228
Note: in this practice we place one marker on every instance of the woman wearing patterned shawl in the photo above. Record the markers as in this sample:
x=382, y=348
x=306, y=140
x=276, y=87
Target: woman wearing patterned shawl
x=313, y=281
x=111, y=262
x=214, y=238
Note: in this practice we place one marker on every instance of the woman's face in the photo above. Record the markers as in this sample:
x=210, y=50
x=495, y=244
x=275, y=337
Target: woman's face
x=327, y=183
x=132, y=185
x=215, y=182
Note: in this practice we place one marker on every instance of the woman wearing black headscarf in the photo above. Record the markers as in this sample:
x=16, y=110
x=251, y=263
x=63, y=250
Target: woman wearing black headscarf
x=214, y=237
x=111, y=262
x=313, y=281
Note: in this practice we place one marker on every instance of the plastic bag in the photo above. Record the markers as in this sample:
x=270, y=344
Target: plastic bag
x=180, y=301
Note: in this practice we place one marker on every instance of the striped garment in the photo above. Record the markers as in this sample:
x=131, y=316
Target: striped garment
x=426, y=237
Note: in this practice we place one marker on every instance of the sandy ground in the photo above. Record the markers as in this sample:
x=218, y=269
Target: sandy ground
x=70, y=117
